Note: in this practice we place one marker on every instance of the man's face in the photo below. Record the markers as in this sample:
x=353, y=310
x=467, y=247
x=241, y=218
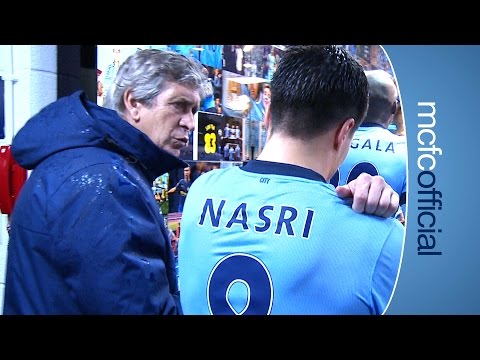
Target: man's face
x=168, y=121
x=253, y=88
x=267, y=96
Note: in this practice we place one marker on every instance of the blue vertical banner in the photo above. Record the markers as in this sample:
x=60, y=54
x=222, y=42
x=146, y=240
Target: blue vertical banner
x=440, y=92
x=2, y=109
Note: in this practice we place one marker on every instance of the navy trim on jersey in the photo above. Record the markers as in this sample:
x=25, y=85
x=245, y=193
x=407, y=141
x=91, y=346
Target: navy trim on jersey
x=269, y=167
x=403, y=198
x=371, y=124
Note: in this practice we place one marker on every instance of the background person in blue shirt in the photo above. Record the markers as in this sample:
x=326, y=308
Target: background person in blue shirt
x=374, y=148
x=182, y=187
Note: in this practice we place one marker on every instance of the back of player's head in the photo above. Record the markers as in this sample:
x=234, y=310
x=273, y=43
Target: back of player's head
x=382, y=98
x=315, y=88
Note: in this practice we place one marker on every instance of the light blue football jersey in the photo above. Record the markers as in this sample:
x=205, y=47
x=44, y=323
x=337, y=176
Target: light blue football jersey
x=377, y=151
x=271, y=238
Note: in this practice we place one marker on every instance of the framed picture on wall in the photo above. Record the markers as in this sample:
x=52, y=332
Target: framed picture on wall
x=209, y=133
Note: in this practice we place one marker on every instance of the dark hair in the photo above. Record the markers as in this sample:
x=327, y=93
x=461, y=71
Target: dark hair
x=316, y=87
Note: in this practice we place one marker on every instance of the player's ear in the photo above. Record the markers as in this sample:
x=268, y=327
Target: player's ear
x=343, y=133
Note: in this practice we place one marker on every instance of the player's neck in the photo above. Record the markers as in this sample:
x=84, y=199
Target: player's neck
x=312, y=154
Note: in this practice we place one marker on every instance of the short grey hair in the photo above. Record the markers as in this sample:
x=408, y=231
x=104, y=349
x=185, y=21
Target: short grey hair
x=146, y=72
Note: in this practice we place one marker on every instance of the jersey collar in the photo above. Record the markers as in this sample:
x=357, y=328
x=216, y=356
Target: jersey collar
x=269, y=167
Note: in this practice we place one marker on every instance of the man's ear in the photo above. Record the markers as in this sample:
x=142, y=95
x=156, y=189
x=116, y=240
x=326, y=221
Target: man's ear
x=131, y=105
x=343, y=132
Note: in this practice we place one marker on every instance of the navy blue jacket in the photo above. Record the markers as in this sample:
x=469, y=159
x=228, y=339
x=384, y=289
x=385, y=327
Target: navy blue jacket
x=87, y=236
